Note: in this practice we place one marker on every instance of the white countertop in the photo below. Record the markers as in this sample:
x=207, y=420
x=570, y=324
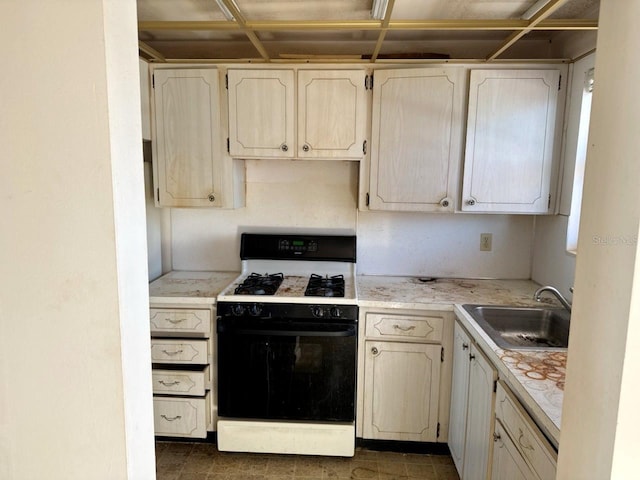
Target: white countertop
x=189, y=287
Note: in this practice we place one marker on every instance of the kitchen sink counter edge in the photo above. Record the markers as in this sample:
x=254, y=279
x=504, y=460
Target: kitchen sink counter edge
x=536, y=377
x=189, y=287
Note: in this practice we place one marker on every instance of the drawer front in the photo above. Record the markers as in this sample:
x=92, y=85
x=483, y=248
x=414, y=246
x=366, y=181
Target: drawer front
x=179, y=351
x=180, y=382
x=180, y=321
x=405, y=327
x=525, y=434
x=181, y=417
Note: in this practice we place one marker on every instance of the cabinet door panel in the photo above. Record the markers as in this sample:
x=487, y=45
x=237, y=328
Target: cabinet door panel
x=510, y=140
x=261, y=113
x=416, y=139
x=402, y=384
x=187, y=124
x=459, y=396
x=331, y=111
x=478, y=441
x=507, y=463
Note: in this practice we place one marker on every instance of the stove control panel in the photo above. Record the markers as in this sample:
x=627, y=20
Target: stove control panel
x=287, y=310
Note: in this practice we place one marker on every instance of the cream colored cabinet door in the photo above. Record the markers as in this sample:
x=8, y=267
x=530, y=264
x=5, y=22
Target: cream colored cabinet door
x=187, y=138
x=459, y=396
x=507, y=463
x=402, y=389
x=331, y=113
x=479, y=436
x=261, y=113
x=416, y=141
x=511, y=130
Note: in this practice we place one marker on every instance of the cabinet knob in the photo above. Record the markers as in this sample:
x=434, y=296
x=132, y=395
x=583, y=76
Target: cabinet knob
x=444, y=202
x=471, y=202
x=374, y=350
x=212, y=197
x=496, y=437
x=306, y=147
x=465, y=346
x=284, y=147
x=472, y=356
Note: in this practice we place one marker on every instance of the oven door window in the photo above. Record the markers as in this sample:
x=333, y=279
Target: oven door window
x=287, y=370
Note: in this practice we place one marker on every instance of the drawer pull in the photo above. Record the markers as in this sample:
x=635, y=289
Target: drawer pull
x=169, y=384
x=171, y=419
x=404, y=329
x=465, y=346
x=171, y=354
x=523, y=445
x=175, y=321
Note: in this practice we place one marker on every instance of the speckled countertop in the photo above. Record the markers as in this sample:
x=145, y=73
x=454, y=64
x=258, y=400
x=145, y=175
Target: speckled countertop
x=189, y=287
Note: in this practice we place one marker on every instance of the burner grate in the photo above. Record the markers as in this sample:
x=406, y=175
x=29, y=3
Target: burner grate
x=256, y=284
x=320, y=286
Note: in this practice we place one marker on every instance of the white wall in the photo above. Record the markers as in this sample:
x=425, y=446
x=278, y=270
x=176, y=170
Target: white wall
x=75, y=388
x=600, y=418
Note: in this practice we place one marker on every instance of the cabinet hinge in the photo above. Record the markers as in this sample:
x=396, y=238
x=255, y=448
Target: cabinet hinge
x=368, y=82
x=495, y=386
x=549, y=202
x=364, y=147
x=438, y=431
x=158, y=194
x=559, y=82
x=153, y=80
x=226, y=81
x=442, y=354
x=228, y=146
x=367, y=200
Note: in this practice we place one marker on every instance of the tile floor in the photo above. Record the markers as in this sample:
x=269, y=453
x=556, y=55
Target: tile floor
x=203, y=461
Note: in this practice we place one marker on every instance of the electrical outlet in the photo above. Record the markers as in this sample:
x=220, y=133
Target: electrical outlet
x=485, y=242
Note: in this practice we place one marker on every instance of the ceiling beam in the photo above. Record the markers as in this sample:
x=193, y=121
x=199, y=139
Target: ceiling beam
x=242, y=22
x=152, y=52
x=543, y=13
x=383, y=31
x=290, y=25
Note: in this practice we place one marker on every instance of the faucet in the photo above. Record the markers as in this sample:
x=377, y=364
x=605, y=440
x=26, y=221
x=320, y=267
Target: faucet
x=563, y=301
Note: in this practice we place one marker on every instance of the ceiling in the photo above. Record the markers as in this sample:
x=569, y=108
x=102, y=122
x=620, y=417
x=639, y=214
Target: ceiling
x=344, y=30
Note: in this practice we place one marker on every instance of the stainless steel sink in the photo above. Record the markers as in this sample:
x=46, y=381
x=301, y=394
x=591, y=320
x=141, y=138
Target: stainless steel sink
x=522, y=328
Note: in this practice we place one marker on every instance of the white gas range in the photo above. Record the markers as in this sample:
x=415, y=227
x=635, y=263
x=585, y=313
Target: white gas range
x=287, y=342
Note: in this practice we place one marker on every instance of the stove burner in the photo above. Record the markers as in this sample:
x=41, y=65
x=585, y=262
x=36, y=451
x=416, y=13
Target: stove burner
x=256, y=284
x=320, y=286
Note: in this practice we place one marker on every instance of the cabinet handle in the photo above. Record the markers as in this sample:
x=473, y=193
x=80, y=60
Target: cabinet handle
x=374, y=350
x=306, y=147
x=525, y=446
x=175, y=321
x=212, y=197
x=496, y=437
x=471, y=202
x=171, y=419
x=444, y=202
x=169, y=384
x=472, y=356
x=171, y=354
x=284, y=147
x=465, y=346
x=404, y=329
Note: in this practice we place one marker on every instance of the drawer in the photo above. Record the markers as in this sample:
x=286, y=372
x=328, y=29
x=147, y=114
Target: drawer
x=181, y=417
x=180, y=321
x=181, y=382
x=406, y=327
x=526, y=436
x=179, y=351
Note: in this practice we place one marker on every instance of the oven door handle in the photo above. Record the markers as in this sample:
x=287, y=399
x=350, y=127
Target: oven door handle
x=346, y=331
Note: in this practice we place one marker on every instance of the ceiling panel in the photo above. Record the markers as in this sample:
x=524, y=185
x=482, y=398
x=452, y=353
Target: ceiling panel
x=305, y=9
x=174, y=10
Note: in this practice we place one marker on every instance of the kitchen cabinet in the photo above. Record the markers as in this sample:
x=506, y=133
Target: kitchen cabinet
x=306, y=114
x=513, y=131
x=183, y=360
x=519, y=446
x=406, y=375
x=417, y=136
x=191, y=168
x=471, y=422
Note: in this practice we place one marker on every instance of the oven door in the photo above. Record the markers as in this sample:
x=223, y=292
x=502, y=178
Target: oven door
x=286, y=369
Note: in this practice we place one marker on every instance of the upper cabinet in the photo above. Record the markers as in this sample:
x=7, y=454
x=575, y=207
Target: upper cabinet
x=329, y=113
x=187, y=142
x=511, y=137
x=416, y=142
x=191, y=168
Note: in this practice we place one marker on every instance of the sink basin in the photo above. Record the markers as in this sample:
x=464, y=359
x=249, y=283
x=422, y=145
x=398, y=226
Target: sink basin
x=523, y=328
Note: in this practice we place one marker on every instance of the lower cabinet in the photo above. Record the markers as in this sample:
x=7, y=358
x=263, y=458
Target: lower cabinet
x=507, y=462
x=182, y=355
x=472, y=402
x=404, y=385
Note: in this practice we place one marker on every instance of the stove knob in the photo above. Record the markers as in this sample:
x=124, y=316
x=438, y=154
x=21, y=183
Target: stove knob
x=237, y=309
x=255, y=309
x=317, y=312
x=336, y=312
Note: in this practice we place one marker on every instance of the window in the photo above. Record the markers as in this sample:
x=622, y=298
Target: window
x=581, y=156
